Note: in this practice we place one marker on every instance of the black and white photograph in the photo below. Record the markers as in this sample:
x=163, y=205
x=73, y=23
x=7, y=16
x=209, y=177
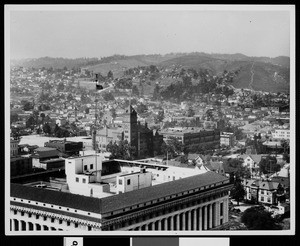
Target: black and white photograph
x=150, y=120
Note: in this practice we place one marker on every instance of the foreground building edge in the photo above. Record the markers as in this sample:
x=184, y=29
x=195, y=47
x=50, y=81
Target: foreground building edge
x=195, y=205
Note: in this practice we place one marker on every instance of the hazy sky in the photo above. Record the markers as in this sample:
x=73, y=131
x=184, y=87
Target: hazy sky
x=103, y=33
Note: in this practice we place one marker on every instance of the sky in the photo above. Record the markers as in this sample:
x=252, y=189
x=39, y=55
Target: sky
x=99, y=33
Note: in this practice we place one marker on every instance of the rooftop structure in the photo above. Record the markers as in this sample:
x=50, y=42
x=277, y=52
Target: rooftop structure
x=126, y=199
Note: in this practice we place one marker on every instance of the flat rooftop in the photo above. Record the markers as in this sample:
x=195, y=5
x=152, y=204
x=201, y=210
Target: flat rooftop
x=120, y=201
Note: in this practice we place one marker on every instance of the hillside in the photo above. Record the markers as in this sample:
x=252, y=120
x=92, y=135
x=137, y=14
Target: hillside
x=269, y=74
x=118, y=66
x=266, y=76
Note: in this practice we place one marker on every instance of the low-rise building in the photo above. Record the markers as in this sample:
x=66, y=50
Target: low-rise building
x=42, y=154
x=20, y=166
x=227, y=139
x=192, y=136
x=69, y=148
x=281, y=134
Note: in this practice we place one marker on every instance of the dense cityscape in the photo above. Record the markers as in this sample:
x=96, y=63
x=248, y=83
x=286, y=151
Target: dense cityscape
x=112, y=144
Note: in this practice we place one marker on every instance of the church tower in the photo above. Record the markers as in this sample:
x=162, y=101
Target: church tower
x=130, y=126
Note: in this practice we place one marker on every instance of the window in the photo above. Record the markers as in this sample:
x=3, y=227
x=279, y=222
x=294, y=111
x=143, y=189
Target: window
x=85, y=167
x=91, y=166
x=68, y=223
x=262, y=199
x=76, y=225
x=52, y=220
x=120, y=181
x=83, y=181
x=77, y=180
x=37, y=216
x=128, y=181
x=60, y=221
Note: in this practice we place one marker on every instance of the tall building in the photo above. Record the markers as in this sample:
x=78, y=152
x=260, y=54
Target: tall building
x=130, y=198
x=130, y=126
x=145, y=141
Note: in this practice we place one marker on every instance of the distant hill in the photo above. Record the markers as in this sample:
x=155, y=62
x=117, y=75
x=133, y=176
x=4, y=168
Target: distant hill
x=59, y=62
x=269, y=74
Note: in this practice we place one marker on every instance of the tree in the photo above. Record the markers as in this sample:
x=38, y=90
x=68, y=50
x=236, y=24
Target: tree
x=84, y=97
x=190, y=112
x=14, y=117
x=30, y=122
x=44, y=97
x=60, y=86
x=156, y=94
x=135, y=91
x=108, y=96
x=268, y=164
x=239, y=170
x=257, y=218
x=42, y=115
x=141, y=108
x=70, y=97
x=110, y=75
x=159, y=117
x=227, y=92
x=43, y=107
x=113, y=113
x=286, y=157
x=238, y=191
x=27, y=106
x=47, y=128
x=122, y=150
x=173, y=147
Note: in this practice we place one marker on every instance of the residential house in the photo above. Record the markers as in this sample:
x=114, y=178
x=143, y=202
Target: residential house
x=252, y=163
x=262, y=191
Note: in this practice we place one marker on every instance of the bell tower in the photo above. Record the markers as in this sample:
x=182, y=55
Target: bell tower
x=130, y=126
